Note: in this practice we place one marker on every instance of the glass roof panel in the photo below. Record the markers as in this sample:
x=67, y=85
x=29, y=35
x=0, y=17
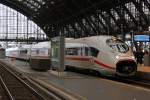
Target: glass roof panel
x=33, y=4
x=14, y=24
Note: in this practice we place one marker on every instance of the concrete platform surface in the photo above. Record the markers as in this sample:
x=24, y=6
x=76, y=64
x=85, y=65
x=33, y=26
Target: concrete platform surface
x=145, y=69
x=87, y=87
x=144, y=72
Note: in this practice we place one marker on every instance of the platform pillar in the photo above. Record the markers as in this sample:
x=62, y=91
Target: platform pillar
x=57, y=53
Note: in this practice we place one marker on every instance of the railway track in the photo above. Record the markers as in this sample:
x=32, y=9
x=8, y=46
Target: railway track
x=13, y=88
x=10, y=89
x=29, y=89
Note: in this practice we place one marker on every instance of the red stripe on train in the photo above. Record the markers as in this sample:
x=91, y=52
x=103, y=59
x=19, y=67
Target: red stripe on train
x=102, y=64
x=77, y=58
x=88, y=59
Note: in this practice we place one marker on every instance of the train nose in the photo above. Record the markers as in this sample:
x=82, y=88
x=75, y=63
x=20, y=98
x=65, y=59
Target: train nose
x=126, y=67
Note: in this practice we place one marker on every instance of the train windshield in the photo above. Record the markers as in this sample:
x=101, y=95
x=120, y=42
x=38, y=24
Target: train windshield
x=117, y=45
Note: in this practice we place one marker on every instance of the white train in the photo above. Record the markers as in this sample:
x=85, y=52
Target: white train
x=104, y=54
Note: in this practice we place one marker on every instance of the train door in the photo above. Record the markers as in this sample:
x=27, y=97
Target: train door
x=86, y=54
x=72, y=58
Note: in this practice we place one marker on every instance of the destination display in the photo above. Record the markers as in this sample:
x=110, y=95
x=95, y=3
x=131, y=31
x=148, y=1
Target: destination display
x=143, y=38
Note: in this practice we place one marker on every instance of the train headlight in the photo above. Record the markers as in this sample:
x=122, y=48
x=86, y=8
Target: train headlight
x=117, y=57
x=132, y=57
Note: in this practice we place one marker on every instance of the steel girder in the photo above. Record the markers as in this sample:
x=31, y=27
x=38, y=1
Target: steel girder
x=138, y=5
x=55, y=16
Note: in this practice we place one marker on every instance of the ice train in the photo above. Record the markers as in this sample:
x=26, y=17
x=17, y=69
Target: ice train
x=105, y=54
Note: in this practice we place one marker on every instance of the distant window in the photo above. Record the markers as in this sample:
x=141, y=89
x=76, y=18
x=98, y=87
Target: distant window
x=94, y=51
x=37, y=51
x=23, y=52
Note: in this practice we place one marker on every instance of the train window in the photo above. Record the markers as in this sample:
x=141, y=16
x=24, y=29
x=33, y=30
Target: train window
x=87, y=51
x=114, y=47
x=72, y=51
x=80, y=51
x=122, y=47
x=37, y=51
x=118, y=45
x=84, y=51
x=94, y=51
x=23, y=52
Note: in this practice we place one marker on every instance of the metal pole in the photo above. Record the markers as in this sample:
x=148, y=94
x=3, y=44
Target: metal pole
x=37, y=35
x=6, y=37
x=17, y=27
x=27, y=31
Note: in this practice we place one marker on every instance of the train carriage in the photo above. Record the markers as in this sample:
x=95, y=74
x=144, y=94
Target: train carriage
x=105, y=54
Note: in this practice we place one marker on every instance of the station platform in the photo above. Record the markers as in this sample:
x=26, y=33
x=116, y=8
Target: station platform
x=82, y=86
x=143, y=72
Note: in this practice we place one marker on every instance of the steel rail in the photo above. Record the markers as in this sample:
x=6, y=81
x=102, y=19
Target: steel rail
x=25, y=84
x=38, y=87
x=6, y=89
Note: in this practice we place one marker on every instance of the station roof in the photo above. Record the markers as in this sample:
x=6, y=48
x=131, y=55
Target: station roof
x=55, y=15
x=58, y=11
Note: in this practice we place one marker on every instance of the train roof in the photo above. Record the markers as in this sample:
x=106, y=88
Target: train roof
x=46, y=44
x=93, y=41
x=26, y=46
x=71, y=42
x=71, y=45
x=12, y=48
x=81, y=40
